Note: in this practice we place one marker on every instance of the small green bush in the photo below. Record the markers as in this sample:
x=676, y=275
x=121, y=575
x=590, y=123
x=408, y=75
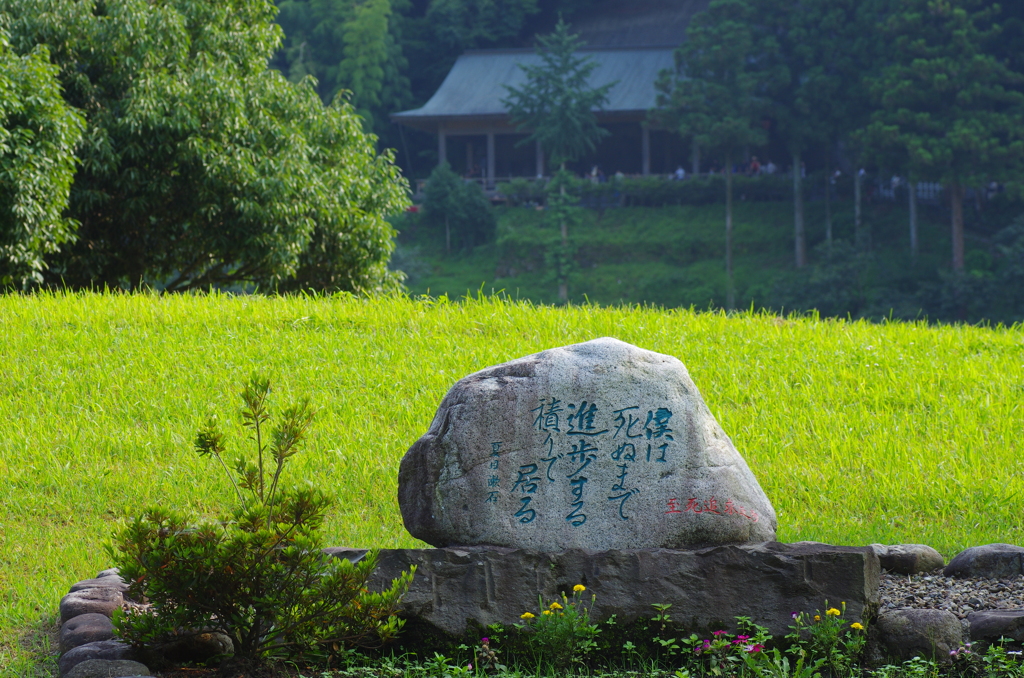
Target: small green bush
x=656, y=191
x=458, y=209
x=258, y=574
x=829, y=639
x=523, y=191
x=560, y=634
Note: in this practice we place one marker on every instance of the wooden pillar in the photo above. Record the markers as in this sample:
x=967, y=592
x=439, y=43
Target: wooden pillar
x=442, y=145
x=645, y=136
x=540, y=158
x=490, y=160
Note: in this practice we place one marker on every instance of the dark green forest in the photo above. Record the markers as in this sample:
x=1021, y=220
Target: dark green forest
x=392, y=55
x=831, y=76
x=870, y=99
x=246, y=144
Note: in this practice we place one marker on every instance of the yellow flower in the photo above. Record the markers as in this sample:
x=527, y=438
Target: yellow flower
x=832, y=612
x=817, y=617
x=857, y=626
x=555, y=606
x=546, y=612
x=578, y=588
x=526, y=615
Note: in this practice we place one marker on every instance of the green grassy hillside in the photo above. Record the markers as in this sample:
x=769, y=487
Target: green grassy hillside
x=674, y=256
x=858, y=433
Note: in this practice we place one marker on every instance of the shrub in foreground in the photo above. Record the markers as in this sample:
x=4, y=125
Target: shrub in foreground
x=560, y=633
x=257, y=574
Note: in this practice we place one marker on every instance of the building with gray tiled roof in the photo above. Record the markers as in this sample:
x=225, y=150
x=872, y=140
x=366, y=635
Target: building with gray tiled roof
x=631, y=43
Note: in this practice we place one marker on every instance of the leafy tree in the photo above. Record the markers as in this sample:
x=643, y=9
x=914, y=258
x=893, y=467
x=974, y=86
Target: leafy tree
x=1009, y=43
x=810, y=71
x=556, y=106
x=561, y=208
x=423, y=40
x=840, y=282
x=468, y=24
x=38, y=134
x=460, y=206
x=366, y=52
x=949, y=109
x=348, y=44
x=1008, y=281
x=712, y=95
x=435, y=33
x=200, y=166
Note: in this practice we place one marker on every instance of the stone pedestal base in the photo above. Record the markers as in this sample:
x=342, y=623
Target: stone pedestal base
x=707, y=588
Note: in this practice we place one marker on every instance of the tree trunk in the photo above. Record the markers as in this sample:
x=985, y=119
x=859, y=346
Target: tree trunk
x=563, y=284
x=912, y=200
x=828, y=210
x=800, y=240
x=861, y=237
x=956, y=198
x=730, y=288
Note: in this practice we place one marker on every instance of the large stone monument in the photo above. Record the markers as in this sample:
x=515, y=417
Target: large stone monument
x=599, y=445
x=599, y=464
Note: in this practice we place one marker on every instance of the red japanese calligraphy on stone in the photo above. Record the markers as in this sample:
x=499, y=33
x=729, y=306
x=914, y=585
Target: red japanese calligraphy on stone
x=711, y=506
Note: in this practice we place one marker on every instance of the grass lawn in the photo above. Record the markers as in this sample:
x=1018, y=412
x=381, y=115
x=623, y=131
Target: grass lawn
x=858, y=433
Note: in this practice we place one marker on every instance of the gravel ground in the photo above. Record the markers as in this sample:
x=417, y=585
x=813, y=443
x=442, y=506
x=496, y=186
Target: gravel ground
x=959, y=596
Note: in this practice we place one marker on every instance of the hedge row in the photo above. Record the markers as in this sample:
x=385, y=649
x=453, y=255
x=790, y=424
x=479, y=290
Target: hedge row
x=655, y=191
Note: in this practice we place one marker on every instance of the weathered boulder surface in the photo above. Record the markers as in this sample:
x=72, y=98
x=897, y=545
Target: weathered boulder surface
x=107, y=668
x=908, y=558
x=195, y=647
x=909, y=633
x=706, y=587
x=103, y=600
x=994, y=561
x=85, y=628
x=989, y=626
x=599, y=445
x=108, y=582
x=101, y=649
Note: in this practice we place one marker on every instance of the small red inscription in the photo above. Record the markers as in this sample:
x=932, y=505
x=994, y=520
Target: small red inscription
x=695, y=505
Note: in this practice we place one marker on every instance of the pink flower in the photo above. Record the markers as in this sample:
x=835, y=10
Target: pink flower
x=754, y=648
x=742, y=637
x=485, y=640
x=717, y=633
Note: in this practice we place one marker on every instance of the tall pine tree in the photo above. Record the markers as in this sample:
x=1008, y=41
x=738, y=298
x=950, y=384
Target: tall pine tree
x=556, y=107
x=712, y=96
x=949, y=108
